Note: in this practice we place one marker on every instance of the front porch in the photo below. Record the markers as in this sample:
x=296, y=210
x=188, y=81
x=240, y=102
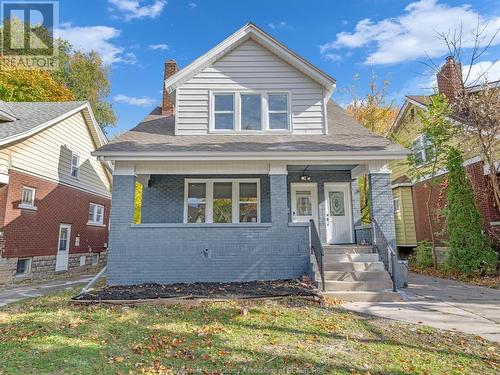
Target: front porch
x=237, y=221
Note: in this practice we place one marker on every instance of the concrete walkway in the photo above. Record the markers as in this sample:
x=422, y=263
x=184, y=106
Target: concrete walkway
x=444, y=304
x=19, y=293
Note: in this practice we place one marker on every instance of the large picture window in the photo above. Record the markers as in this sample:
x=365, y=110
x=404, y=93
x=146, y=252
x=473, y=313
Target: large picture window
x=251, y=118
x=222, y=201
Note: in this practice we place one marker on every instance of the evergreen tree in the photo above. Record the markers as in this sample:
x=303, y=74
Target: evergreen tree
x=469, y=249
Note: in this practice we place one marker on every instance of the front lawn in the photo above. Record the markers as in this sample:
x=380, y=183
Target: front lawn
x=48, y=335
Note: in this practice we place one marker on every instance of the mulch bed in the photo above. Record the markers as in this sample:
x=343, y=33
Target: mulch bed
x=236, y=290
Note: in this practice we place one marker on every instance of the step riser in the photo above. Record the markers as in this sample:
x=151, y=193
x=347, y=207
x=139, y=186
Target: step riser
x=350, y=258
x=352, y=267
x=355, y=276
x=347, y=251
x=357, y=286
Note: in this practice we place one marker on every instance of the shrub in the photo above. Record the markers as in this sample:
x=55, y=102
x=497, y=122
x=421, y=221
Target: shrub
x=469, y=249
x=422, y=255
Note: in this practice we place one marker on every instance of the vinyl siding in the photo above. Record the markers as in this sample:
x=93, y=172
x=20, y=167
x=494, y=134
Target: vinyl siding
x=404, y=219
x=253, y=68
x=47, y=154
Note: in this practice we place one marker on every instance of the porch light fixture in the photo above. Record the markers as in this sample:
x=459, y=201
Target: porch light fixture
x=305, y=177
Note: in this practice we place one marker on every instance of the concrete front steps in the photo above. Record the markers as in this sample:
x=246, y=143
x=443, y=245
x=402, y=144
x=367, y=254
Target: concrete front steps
x=354, y=273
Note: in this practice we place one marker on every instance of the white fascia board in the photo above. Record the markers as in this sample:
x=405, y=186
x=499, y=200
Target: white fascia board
x=331, y=156
x=243, y=34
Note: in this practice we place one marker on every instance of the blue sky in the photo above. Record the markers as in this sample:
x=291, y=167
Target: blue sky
x=345, y=39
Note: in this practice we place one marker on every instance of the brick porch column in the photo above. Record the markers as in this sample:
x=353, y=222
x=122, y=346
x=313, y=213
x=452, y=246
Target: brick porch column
x=278, y=187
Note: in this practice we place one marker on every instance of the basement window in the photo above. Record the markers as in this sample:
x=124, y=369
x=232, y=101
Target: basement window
x=23, y=267
x=95, y=259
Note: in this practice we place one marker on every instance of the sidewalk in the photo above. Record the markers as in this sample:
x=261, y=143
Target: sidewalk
x=444, y=304
x=18, y=293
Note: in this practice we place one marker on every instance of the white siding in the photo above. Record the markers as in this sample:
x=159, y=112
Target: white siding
x=48, y=154
x=250, y=67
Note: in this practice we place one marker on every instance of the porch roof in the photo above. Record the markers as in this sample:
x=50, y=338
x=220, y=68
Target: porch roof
x=155, y=136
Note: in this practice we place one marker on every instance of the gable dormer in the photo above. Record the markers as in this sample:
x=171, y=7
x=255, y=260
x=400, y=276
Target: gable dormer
x=250, y=84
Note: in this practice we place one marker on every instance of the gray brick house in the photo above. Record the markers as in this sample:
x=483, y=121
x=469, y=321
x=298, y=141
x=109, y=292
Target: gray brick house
x=246, y=152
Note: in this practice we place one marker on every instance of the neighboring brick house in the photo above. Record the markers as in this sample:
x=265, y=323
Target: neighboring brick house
x=54, y=196
x=410, y=197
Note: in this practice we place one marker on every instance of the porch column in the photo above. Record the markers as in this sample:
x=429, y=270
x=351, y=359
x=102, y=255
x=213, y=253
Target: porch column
x=122, y=207
x=356, y=202
x=278, y=188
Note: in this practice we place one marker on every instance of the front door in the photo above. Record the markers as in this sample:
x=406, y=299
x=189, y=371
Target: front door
x=63, y=247
x=338, y=213
x=304, y=198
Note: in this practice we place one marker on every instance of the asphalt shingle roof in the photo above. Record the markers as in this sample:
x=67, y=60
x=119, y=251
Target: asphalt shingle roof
x=156, y=134
x=30, y=115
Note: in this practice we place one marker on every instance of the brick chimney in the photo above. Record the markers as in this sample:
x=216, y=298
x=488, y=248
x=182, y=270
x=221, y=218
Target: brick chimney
x=449, y=79
x=167, y=107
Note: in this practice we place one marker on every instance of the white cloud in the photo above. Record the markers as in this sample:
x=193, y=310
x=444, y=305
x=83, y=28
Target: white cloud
x=332, y=57
x=412, y=34
x=131, y=100
x=161, y=46
x=279, y=25
x=132, y=9
x=192, y=5
x=99, y=39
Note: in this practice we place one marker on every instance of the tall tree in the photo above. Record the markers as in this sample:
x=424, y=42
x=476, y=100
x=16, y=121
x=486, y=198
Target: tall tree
x=22, y=85
x=375, y=113
x=87, y=78
x=438, y=132
x=469, y=250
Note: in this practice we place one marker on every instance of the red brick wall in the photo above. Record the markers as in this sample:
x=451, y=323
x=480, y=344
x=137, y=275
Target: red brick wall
x=35, y=233
x=484, y=202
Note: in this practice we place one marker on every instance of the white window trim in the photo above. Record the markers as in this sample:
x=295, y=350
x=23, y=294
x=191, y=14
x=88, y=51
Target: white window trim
x=394, y=200
x=422, y=150
x=98, y=257
x=74, y=154
x=94, y=222
x=209, y=198
x=28, y=206
x=28, y=268
x=264, y=94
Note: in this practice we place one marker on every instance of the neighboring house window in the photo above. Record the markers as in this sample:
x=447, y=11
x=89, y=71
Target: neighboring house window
x=224, y=111
x=397, y=205
x=251, y=117
x=75, y=165
x=222, y=201
x=278, y=111
x=422, y=150
x=28, y=197
x=95, y=259
x=96, y=214
x=23, y=267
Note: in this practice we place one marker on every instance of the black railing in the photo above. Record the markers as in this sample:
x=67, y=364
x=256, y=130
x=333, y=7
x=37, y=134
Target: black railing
x=386, y=251
x=317, y=250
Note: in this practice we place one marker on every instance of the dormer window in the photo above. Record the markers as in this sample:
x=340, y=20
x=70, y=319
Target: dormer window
x=224, y=111
x=250, y=112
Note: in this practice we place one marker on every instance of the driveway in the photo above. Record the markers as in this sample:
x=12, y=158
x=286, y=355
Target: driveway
x=444, y=304
x=19, y=293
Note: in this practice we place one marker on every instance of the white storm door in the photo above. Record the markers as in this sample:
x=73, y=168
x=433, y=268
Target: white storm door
x=63, y=247
x=338, y=213
x=304, y=205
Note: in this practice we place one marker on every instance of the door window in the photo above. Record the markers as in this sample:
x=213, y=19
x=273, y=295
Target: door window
x=337, y=203
x=63, y=239
x=303, y=201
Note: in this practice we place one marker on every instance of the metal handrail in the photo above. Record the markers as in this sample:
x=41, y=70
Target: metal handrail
x=382, y=242
x=317, y=250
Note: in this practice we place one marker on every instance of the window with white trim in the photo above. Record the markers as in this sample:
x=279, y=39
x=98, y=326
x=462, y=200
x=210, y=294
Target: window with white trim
x=96, y=214
x=23, y=266
x=28, y=197
x=422, y=150
x=75, y=165
x=278, y=111
x=397, y=204
x=224, y=111
x=95, y=259
x=222, y=201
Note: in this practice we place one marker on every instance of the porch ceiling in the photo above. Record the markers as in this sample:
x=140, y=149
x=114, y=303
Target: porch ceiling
x=325, y=167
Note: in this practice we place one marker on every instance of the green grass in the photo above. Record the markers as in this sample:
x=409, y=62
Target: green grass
x=49, y=335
